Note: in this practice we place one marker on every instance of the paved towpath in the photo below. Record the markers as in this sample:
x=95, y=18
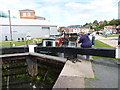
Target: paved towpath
x=105, y=70
x=106, y=75
x=111, y=41
x=73, y=74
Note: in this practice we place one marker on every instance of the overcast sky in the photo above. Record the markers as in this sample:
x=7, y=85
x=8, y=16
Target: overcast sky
x=65, y=12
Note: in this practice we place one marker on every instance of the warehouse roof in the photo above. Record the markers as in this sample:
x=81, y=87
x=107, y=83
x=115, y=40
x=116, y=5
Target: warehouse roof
x=14, y=21
x=26, y=10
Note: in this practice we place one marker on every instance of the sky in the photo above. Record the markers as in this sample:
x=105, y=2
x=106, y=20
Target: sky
x=65, y=12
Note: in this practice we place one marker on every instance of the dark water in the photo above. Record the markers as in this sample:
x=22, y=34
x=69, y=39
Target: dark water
x=15, y=74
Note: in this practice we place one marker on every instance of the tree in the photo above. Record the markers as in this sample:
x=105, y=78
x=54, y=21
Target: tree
x=86, y=24
x=95, y=22
x=114, y=22
x=97, y=27
x=101, y=26
x=2, y=14
x=105, y=22
x=91, y=27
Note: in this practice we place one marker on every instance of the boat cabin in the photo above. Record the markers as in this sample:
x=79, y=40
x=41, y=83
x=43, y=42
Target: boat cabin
x=55, y=41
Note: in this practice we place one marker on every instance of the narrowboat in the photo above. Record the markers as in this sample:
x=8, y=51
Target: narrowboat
x=55, y=41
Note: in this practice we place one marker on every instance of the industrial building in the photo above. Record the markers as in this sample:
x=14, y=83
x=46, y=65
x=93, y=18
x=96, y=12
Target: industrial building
x=23, y=28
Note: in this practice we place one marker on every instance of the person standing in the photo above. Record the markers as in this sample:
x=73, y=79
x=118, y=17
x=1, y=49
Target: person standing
x=93, y=39
x=106, y=33
x=119, y=40
x=85, y=42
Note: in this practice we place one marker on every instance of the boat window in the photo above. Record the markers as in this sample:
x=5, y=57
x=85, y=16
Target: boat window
x=48, y=43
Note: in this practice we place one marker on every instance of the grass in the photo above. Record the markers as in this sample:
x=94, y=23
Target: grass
x=89, y=80
x=16, y=43
x=110, y=35
x=95, y=78
x=99, y=44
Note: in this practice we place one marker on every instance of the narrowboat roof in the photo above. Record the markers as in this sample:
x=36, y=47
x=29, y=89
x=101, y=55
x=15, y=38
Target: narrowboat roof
x=52, y=38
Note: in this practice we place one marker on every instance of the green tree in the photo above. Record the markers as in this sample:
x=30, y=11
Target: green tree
x=96, y=28
x=105, y=22
x=91, y=27
x=86, y=24
x=95, y=22
x=101, y=26
x=2, y=14
x=114, y=22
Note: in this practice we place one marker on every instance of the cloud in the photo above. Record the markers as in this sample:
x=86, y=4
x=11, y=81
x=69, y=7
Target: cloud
x=15, y=5
x=65, y=12
x=18, y=4
x=96, y=9
x=75, y=5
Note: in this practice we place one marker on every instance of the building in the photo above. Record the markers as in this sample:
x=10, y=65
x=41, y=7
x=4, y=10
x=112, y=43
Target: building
x=29, y=14
x=23, y=28
x=85, y=29
x=110, y=29
x=118, y=29
x=71, y=29
x=75, y=29
x=61, y=29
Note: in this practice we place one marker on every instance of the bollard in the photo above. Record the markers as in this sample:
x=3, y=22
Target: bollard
x=118, y=52
x=118, y=48
x=31, y=48
x=13, y=45
x=10, y=44
x=27, y=43
x=119, y=40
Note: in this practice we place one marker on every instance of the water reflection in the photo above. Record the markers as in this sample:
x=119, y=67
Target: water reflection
x=15, y=74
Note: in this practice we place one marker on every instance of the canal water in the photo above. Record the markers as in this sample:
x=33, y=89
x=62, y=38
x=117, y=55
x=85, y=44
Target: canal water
x=15, y=74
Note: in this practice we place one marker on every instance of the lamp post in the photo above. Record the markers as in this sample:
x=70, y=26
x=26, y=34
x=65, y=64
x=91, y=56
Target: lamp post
x=10, y=25
x=64, y=40
x=119, y=40
x=10, y=28
x=64, y=34
x=49, y=31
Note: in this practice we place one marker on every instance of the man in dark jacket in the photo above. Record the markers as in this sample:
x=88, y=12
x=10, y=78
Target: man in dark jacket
x=86, y=43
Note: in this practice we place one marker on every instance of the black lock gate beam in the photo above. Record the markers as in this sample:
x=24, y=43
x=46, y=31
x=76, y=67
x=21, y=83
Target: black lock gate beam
x=103, y=52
